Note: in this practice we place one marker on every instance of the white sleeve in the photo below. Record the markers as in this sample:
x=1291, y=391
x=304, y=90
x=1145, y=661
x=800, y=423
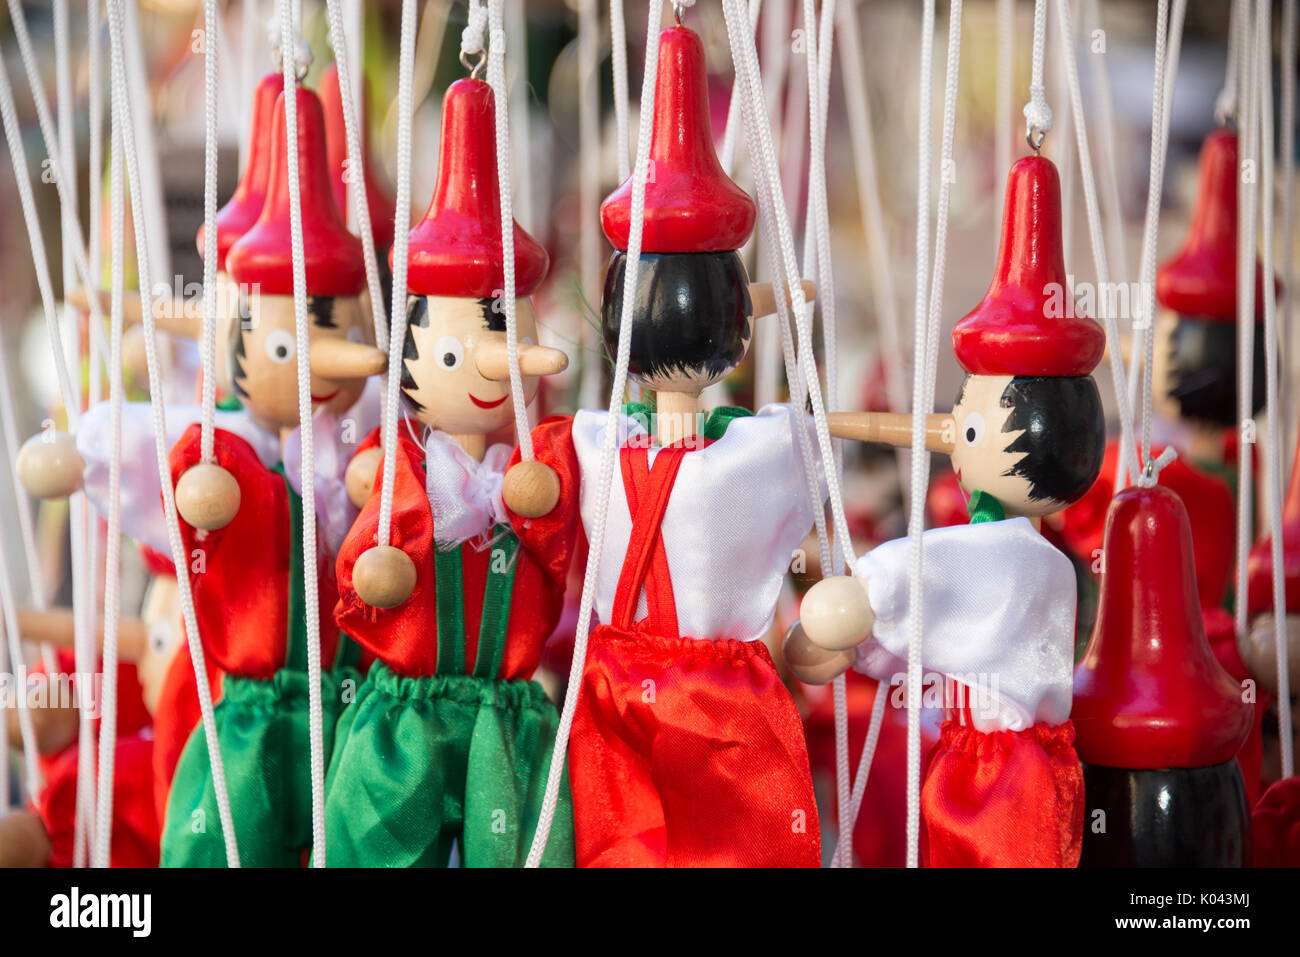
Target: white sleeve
x=999, y=617
x=141, y=490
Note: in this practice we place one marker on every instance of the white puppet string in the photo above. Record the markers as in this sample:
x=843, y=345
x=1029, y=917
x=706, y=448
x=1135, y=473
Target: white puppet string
x=1286, y=148
x=1225, y=105
x=1006, y=17
x=1038, y=115
x=1139, y=363
x=13, y=138
x=922, y=405
x=302, y=333
x=496, y=72
x=100, y=856
x=1247, y=194
x=1150, y=231
x=401, y=240
x=1097, y=241
x=1263, y=49
x=122, y=122
x=618, y=57
x=609, y=438
x=817, y=253
x=352, y=125
x=727, y=153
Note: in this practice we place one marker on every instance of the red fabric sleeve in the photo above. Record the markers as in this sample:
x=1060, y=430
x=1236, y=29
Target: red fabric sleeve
x=405, y=636
x=241, y=592
x=1276, y=825
x=550, y=539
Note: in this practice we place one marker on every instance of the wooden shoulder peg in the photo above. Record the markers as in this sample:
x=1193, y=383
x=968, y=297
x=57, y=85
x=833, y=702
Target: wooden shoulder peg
x=531, y=489
x=49, y=465
x=207, y=496
x=836, y=614
x=810, y=663
x=384, y=576
x=359, y=478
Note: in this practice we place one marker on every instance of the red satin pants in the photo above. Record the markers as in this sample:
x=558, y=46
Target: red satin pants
x=688, y=753
x=1003, y=798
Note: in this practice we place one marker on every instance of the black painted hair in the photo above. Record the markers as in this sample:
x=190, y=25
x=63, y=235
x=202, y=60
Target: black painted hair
x=1203, y=370
x=417, y=314
x=320, y=310
x=1062, y=433
x=692, y=312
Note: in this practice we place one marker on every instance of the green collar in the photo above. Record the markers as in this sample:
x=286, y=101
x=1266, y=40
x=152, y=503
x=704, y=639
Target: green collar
x=983, y=507
x=715, y=426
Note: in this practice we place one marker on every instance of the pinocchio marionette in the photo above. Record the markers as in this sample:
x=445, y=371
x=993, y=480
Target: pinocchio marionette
x=241, y=521
x=1004, y=785
x=687, y=749
x=1159, y=721
x=449, y=740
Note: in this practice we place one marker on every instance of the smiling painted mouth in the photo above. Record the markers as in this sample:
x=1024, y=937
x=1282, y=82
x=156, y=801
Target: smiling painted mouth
x=325, y=398
x=486, y=405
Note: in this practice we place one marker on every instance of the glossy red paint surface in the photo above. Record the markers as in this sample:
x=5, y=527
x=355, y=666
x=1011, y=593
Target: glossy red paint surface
x=332, y=254
x=245, y=204
x=1149, y=693
x=1027, y=324
x=456, y=249
x=1260, y=563
x=1201, y=279
x=691, y=205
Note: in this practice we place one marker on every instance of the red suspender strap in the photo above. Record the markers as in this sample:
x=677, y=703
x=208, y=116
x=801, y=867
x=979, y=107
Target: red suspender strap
x=646, y=562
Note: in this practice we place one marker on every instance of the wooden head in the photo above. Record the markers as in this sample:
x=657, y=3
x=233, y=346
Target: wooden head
x=455, y=374
x=263, y=356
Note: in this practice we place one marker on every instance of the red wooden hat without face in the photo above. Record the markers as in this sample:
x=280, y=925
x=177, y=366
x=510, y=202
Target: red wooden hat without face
x=1025, y=325
x=691, y=205
x=379, y=201
x=456, y=249
x=1148, y=692
x=332, y=255
x=245, y=205
x=1200, y=281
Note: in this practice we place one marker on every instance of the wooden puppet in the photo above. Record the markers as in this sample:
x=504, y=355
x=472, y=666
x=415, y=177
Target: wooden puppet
x=687, y=748
x=44, y=832
x=241, y=520
x=1194, y=371
x=1004, y=785
x=1159, y=720
x=449, y=740
x=1257, y=648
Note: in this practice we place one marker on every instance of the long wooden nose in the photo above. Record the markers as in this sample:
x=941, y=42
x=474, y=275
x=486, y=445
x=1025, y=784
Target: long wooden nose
x=169, y=315
x=763, y=298
x=894, y=429
x=491, y=360
x=55, y=627
x=344, y=359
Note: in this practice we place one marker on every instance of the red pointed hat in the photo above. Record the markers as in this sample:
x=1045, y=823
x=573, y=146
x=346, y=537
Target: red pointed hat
x=1201, y=280
x=1026, y=324
x=378, y=199
x=691, y=205
x=1259, y=566
x=333, y=259
x=456, y=249
x=1148, y=692
x=245, y=205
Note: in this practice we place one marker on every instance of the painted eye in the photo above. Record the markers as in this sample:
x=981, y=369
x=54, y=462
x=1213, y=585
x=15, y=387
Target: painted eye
x=450, y=352
x=972, y=429
x=161, y=638
x=280, y=346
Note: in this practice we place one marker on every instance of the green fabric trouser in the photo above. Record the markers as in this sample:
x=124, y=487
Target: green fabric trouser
x=423, y=762
x=262, y=726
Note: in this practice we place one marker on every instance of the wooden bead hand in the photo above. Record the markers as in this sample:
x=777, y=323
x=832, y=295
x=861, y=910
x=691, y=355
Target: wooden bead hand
x=836, y=615
x=207, y=497
x=531, y=489
x=49, y=465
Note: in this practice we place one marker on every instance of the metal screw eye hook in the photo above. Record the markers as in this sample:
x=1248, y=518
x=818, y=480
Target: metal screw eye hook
x=1035, y=139
x=476, y=68
x=678, y=12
